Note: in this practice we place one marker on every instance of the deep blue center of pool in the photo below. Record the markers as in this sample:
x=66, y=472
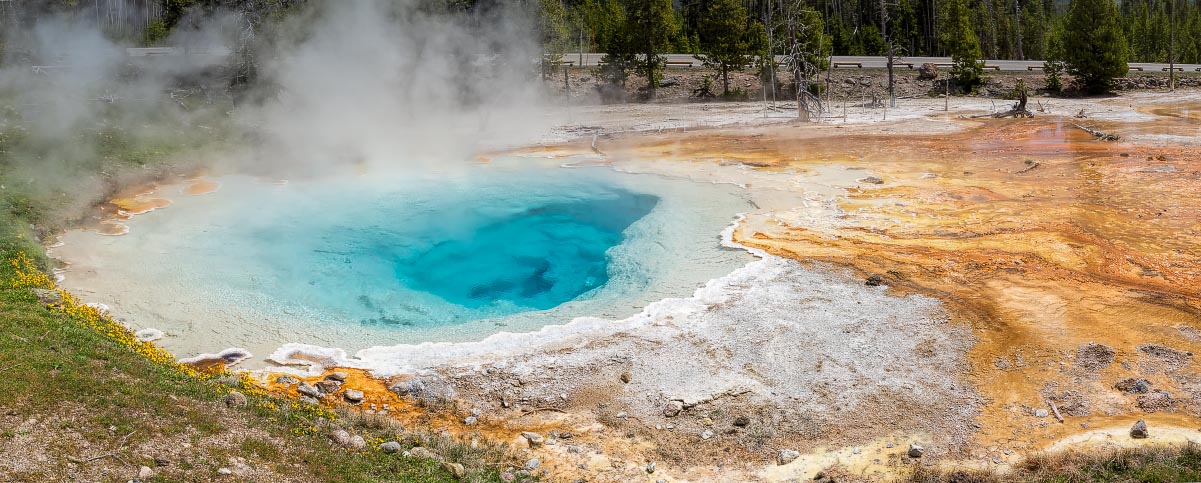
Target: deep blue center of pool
x=536, y=259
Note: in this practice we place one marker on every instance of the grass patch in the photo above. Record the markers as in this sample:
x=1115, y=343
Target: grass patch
x=1146, y=464
x=78, y=385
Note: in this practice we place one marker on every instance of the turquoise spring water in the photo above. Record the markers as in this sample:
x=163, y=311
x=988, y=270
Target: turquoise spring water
x=358, y=261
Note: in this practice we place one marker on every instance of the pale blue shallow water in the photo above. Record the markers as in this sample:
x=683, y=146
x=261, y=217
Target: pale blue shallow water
x=357, y=261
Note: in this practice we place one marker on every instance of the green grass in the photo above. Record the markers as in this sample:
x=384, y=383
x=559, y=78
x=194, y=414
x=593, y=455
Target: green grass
x=91, y=388
x=1144, y=464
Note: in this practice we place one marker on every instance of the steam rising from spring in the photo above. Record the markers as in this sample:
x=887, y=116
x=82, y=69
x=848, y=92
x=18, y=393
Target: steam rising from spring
x=383, y=83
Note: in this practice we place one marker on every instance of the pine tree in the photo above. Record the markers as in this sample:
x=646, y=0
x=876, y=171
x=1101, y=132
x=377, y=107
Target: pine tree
x=963, y=45
x=1093, y=45
x=650, y=26
x=725, y=43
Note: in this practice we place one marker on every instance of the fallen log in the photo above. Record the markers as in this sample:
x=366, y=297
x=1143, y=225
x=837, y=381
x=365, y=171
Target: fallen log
x=1098, y=134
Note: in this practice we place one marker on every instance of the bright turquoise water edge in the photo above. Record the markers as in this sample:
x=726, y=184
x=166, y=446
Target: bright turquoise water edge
x=357, y=261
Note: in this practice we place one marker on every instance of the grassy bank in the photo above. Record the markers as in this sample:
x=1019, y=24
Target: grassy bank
x=1147, y=464
x=84, y=399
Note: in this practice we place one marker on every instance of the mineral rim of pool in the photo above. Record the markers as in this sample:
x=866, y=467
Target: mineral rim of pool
x=360, y=261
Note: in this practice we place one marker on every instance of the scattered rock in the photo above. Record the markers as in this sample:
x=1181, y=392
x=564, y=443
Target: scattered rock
x=670, y=82
x=148, y=335
x=390, y=447
x=1139, y=430
x=328, y=386
x=1154, y=401
x=1070, y=402
x=534, y=439
x=927, y=71
x=673, y=409
x=235, y=399
x=470, y=420
x=1133, y=385
x=145, y=473
x=916, y=451
x=874, y=281
x=286, y=380
x=1094, y=356
x=1041, y=413
x=312, y=401
x=507, y=477
x=625, y=377
x=336, y=376
x=742, y=421
x=225, y=471
x=353, y=396
x=1163, y=357
x=533, y=464
x=47, y=296
x=872, y=180
x=428, y=389
x=307, y=390
x=787, y=456
x=650, y=468
x=341, y=438
x=456, y=470
x=706, y=434
x=423, y=453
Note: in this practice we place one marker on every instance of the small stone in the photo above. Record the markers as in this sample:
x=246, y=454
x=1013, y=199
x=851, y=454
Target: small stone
x=235, y=399
x=996, y=461
x=161, y=462
x=353, y=396
x=1139, y=430
x=456, y=470
x=706, y=434
x=856, y=450
x=312, y=401
x=336, y=376
x=1133, y=385
x=916, y=451
x=341, y=438
x=622, y=415
x=225, y=471
x=534, y=439
x=1154, y=401
x=707, y=421
x=650, y=468
x=787, y=456
x=306, y=389
x=470, y=420
x=1041, y=413
x=424, y=453
x=872, y=180
x=533, y=464
x=328, y=386
x=390, y=447
x=625, y=377
x=47, y=296
x=742, y=421
x=507, y=477
x=874, y=281
x=286, y=380
x=145, y=473
x=673, y=409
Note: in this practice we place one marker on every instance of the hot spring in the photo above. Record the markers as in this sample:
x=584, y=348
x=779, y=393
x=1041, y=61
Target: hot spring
x=381, y=259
